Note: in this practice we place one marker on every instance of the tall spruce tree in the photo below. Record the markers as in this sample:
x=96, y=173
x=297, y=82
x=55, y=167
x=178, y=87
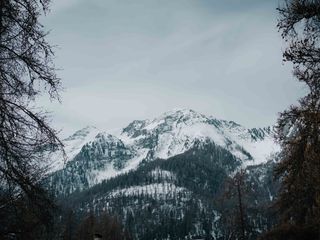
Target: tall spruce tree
x=299, y=127
x=26, y=70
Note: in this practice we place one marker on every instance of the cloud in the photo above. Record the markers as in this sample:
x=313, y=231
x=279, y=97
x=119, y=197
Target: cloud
x=125, y=60
x=59, y=5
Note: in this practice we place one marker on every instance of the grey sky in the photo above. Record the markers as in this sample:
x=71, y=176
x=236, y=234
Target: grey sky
x=134, y=59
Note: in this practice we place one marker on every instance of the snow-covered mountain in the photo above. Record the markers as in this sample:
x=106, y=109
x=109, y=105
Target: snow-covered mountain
x=177, y=131
x=168, y=178
x=94, y=156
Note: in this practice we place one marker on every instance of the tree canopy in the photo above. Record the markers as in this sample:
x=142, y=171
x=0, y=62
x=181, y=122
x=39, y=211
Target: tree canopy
x=26, y=71
x=298, y=129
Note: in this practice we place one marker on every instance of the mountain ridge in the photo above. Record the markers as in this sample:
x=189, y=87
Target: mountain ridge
x=98, y=155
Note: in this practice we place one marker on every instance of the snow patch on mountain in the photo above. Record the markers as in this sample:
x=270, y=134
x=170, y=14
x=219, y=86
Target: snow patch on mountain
x=160, y=174
x=159, y=191
x=261, y=151
x=109, y=170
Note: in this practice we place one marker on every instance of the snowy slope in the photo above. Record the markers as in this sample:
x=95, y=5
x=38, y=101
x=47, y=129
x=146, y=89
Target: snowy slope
x=72, y=146
x=175, y=132
x=170, y=134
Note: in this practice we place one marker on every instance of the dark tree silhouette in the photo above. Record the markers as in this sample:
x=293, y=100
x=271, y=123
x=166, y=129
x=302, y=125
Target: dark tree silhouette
x=299, y=127
x=26, y=70
x=234, y=214
x=238, y=181
x=106, y=226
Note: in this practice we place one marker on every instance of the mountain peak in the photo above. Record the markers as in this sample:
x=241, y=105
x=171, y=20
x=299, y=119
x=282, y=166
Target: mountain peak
x=82, y=133
x=179, y=112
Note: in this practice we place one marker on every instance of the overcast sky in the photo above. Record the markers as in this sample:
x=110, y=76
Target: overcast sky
x=134, y=59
